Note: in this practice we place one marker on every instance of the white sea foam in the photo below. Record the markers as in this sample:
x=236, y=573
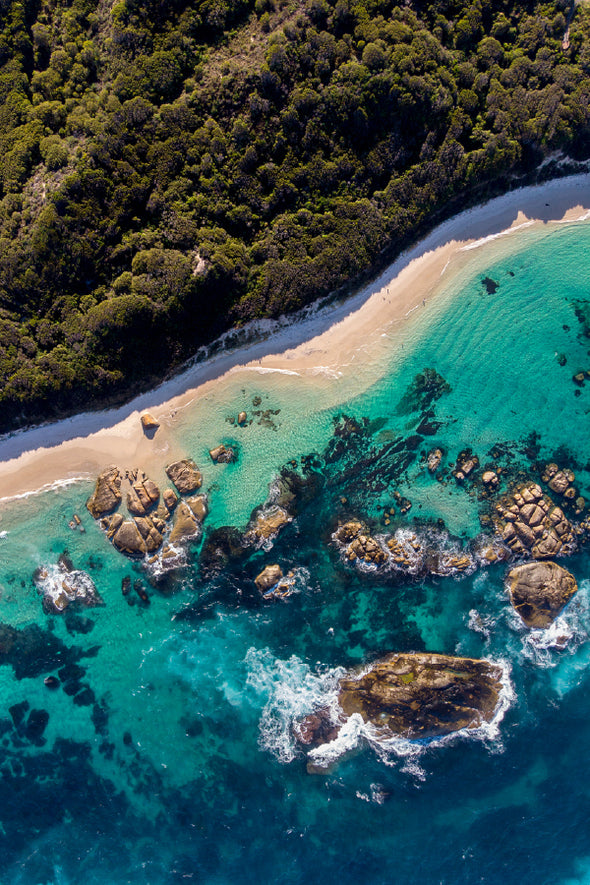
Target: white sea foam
x=3, y=534
x=291, y=690
x=48, y=487
x=568, y=632
x=490, y=237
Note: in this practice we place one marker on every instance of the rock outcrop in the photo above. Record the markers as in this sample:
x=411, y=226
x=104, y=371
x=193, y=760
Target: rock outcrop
x=186, y=524
x=433, y=460
x=135, y=537
x=539, y=591
x=107, y=493
x=530, y=522
x=265, y=524
x=61, y=586
x=185, y=475
x=149, y=423
x=415, y=696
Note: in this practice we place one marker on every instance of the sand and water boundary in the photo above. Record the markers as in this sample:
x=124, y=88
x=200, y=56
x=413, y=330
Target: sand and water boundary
x=326, y=339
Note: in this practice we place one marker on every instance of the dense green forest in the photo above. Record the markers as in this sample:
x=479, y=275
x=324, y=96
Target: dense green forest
x=170, y=169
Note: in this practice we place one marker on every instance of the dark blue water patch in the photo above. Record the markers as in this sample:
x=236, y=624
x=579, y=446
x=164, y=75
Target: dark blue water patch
x=33, y=651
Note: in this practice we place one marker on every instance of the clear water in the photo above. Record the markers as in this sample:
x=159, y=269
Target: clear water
x=172, y=759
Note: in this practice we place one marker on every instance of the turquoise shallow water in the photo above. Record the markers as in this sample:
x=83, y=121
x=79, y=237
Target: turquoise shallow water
x=167, y=755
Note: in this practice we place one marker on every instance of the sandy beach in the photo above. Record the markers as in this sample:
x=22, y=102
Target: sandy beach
x=81, y=446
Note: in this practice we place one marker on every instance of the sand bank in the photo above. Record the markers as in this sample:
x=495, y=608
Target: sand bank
x=329, y=340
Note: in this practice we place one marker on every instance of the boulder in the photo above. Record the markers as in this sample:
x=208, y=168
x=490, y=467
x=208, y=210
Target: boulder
x=361, y=545
x=107, y=493
x=198, y=504
x=539, y=591
x=143, y=495
x=242, y=418
x=135, y=537
x=170, y=498
x=530, y=522
x=186, y=525
x=149, y=423
x=185, y=475
x=490, y=478
x=267, y=578
x=222, y=454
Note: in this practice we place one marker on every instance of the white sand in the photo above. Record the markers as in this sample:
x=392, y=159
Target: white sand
x=85, y=444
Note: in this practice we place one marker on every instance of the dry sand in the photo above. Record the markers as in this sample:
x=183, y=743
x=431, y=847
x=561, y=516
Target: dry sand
x=82, y=446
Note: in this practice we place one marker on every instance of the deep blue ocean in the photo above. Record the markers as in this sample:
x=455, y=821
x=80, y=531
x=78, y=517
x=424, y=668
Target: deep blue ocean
x=166, y=752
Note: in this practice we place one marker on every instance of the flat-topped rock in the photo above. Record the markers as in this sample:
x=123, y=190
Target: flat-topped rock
x=539, y=591
x=135, y=537
x=423, y=695
x=185, y=475
x=107, y=493
x=199, y=505
x=266, y=524
x=414, y=696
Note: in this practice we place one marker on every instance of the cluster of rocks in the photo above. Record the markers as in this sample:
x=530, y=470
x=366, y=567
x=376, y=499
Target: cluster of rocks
x=61, y=585
x=466, y=463
x=222, y=454
x=359, y=545
x=417, y=555
x=153, y=516
x=529, y=522
x=561, y=483
x=413, y=696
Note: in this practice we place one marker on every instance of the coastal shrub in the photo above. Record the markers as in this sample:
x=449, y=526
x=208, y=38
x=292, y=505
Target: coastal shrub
x=168, y=169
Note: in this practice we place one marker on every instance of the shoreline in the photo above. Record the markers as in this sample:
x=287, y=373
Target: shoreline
x=326, y=340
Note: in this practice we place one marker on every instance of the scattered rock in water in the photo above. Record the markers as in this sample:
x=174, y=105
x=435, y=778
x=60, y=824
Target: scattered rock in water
x=222, y=454
x=61, y=586
x=360, y=545
x=52, y=682
x=467, y=462
x=433, y=460
x=141, y=591
x=559, y=481
x=490, y=479
x=316, y=728
x=268, y=578
x=185, y=475
x=149, y=423
x=107, y=493
x=530, y=522
x=242, y=418
x=539, y=591
x=265, y=524
x=415, y=696
x=126, y=585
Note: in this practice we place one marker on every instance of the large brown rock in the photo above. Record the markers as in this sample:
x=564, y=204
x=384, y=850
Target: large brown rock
x=143, y=495
x=107, y=493
x=530, y=522
x=539, y=591
x=423, y=695
x=186, y=525
x=266, y=524
x=60, y=586
x=135, y=537
x=268, y=577
x=185, y=475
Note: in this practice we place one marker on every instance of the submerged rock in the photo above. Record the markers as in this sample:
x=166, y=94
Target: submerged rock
x=433, y=460
x=107, y=493
x=539, y=591
x=185, y=475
